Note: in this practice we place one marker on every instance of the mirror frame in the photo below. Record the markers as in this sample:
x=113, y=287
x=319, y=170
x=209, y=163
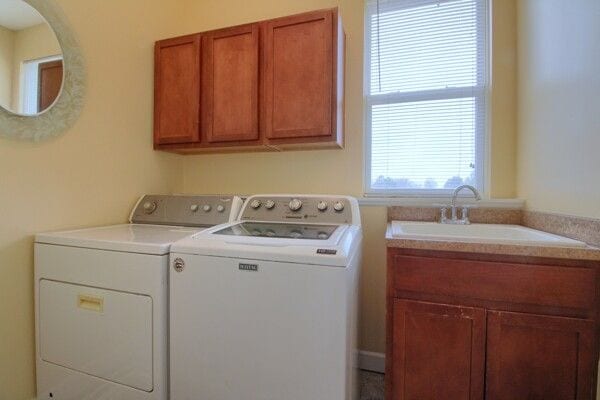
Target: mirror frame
x=63, y=113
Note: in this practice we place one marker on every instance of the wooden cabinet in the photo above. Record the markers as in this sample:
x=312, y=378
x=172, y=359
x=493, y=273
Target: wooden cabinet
x=438, y=351
x=270, y=85
x=530, y=324
x=230, y=85
x=177, y=90
x=539, y=357
x=301, y=82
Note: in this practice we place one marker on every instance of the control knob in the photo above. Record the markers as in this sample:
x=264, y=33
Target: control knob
x=295, y=204
x=338, y=206
x=194, y=207
x=269, y=204
x=207, y=208
x=149, y=207
x=255, y=204
x=220, y=208
x=322, y=205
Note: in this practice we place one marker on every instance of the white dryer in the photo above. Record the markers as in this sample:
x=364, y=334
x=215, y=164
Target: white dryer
x=101, y=300
x=265, y=308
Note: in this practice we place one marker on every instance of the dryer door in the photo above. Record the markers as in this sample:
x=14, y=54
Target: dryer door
x=104, y=333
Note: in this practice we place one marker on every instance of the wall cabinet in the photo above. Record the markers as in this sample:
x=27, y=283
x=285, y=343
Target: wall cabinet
x=177, y=90
x=492, y=331
x=269, y=85
x=230, y=85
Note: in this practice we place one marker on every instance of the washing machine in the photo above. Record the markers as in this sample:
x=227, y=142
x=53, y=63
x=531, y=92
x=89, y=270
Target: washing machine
x=101, y=300
x=265, y=308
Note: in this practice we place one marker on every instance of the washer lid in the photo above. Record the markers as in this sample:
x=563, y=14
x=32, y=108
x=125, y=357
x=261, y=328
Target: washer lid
x=279, y=230
x=132, y=238
x=330, y=245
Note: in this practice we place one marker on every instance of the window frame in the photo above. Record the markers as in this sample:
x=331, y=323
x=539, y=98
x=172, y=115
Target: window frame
x=481, y=93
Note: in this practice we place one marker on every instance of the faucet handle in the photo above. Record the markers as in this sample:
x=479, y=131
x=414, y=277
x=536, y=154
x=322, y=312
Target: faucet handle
x=465, y=214
x=443, y=214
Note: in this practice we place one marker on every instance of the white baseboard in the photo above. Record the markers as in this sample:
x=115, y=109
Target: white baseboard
x=371, y=361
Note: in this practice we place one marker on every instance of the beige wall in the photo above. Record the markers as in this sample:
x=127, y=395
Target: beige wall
x=6, y=65
x=559, y=106
x=503, y=124
x=93, y=173
x=31, y=43
x=341, y=171
x=90, y=175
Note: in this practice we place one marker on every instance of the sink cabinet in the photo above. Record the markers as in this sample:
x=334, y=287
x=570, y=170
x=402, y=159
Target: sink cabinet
x=477, y=326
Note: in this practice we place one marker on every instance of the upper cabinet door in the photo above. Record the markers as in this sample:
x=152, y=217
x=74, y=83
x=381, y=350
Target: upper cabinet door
x=539, y=357
x=230, y=84
x=301, y=77
x=177, y=90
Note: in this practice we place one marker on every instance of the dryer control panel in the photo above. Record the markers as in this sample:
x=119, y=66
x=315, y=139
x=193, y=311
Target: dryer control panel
x=300, y=208
x=184, y=210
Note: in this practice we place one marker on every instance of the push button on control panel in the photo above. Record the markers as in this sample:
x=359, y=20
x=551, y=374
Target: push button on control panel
x=338, y=206
x=322, y=206
x=149, y=207
x=255, y=204
x=295, y=204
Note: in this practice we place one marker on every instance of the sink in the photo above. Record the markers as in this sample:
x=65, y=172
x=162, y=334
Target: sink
x=480, y=233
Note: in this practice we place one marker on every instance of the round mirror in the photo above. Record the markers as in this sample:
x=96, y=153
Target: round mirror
x=31, y=60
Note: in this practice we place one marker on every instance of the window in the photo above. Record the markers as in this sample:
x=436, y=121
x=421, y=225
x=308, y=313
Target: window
x=426, y=87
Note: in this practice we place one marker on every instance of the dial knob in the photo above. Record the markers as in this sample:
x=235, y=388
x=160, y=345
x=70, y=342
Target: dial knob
x=207, y=208
x=322, y=206
x=220, y=208
x=338, y=206
x=295, y=234
x=149, y=207
x=194, y=207
x=322, y=235
x=255, y=204
x=269, y=204
x=295, y=204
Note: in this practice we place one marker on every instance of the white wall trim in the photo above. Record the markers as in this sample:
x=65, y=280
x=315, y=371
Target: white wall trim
x=371, y=361
x=436, y=201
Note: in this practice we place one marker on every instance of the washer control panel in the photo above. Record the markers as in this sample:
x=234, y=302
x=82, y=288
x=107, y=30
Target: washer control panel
x=335, y=210
x=183, y=210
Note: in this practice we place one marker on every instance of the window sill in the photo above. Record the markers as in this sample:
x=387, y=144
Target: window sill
x=436, y=201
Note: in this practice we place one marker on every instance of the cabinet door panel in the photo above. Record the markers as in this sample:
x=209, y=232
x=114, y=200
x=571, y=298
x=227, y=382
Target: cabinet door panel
x=437, y=351
x=177, y=90
x=539, y=357
x=300, y=76
x=230, y=84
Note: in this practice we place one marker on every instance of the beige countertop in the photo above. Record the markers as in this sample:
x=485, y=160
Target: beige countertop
x=585, y=253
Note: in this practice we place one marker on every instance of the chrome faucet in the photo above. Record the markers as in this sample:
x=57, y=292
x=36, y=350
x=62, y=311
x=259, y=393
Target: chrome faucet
x=465, y=210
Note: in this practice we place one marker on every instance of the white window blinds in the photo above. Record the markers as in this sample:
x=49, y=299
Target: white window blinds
x=426, y=80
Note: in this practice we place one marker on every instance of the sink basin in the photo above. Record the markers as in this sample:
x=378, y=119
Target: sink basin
x=480, y=233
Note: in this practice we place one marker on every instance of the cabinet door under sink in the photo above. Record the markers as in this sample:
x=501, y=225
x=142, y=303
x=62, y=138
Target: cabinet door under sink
x=539, y=357
x=437, y=352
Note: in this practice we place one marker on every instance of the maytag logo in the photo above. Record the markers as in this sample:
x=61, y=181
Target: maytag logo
x=248, y=267
x=330, y=252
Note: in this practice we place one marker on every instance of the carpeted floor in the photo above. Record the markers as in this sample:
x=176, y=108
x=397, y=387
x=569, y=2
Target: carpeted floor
x=371, y=386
